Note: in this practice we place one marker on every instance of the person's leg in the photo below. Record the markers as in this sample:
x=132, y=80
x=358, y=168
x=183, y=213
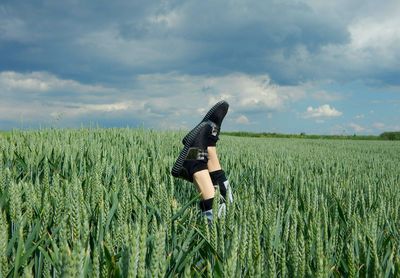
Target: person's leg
x=204, y=185
x=203, y=182
x=191, y=165
x=217, y=175
x=215, y=117
x=213, y=161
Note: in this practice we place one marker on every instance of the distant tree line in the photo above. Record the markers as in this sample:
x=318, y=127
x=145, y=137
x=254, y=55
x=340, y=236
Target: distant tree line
x=394, y=135
x=383, y=136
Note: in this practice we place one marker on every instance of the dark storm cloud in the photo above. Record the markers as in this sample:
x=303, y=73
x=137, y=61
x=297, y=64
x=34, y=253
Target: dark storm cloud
x=195, y=37
x=240, y=36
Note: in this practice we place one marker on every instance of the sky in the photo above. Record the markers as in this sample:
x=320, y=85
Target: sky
x=318, y=67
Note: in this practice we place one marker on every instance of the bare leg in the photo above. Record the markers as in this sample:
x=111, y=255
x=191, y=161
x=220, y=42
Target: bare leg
x=202, y=178
x=204, y=184
x=213, y=161
x=217, y=175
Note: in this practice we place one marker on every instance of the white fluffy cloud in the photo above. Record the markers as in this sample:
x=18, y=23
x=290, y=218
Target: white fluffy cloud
x=244, y=92
x=371, y=51
x=35, y=82
x=39, y=96
x=357, y=127
x=170, y=100
x=44, y=82
x=172, y=97
x=324, y=111
x=253, y=92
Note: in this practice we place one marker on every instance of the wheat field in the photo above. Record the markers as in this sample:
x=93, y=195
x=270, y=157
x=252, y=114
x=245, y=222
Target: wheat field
x=102, y=203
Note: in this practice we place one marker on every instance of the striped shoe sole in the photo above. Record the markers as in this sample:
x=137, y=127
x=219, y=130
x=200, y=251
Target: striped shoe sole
x=190, y=137
x=206, y=118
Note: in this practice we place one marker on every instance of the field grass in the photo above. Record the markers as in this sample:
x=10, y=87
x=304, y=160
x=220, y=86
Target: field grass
x=101, y=203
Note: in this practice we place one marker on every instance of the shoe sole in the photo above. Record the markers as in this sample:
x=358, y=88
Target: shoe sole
x=190, y=137
x=205, y=119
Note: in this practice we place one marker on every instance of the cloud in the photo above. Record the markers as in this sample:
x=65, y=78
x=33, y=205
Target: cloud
x=370, y=53
x=324, y=111
x=350, y=128
x=97, y=41
x=46, y=86
x=378, y=125
x=15, y=81
x=12, y=29
x=174, y=97
x=357, y=127
x=255, y=93
x=164, y=62
x=380, y=35
x=110, y=43
x=39, y=97
x=242, y=119
x=326, y=96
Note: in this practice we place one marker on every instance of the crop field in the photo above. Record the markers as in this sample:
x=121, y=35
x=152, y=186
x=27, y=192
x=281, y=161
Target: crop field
x=102, y=203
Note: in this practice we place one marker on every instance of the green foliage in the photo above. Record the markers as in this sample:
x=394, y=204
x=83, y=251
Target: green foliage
x=102, y=203
x=302, y=135
x=390, y=135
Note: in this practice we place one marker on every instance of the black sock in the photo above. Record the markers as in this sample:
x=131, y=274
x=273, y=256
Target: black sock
x=206, y=209
x=218, y=178
x=206, y=205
